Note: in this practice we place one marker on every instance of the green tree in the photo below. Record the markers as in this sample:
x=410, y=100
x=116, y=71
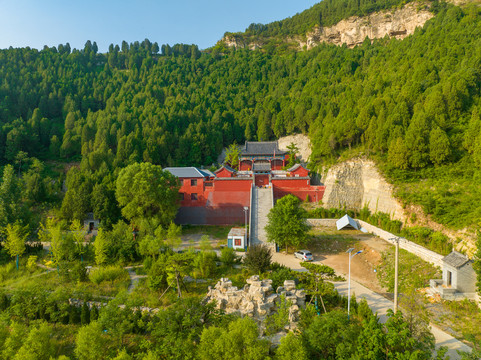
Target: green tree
x=14, y=342
x=232, y=155
x=332, y=336
x=398, y=154
x=173, y=235
x=286, y=223
x=15, y=241
x=90, y=342
x=228, y=256
x=10, y=198
x=439, y=147
x=239, y=341
x=293, y=150
x=146, y=192
x=85, y=314
x=291, y=348
x=179, y=266
x=76, y=202
x=78, y=232
x=38, y=344
x=62, y=245
x=205, y=264
x=101, y=247
x=20, y=159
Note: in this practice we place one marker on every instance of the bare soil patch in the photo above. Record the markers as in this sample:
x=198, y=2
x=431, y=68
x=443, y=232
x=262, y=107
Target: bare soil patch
x=329, y=247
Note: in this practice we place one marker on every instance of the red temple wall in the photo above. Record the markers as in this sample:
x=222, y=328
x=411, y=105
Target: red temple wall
x=187, y=189
x=301, y=172
x=245, y=165
x=224, y=173
x=300, y=188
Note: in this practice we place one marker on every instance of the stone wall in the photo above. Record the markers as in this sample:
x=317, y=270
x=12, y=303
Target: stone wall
x=321, y=222
x=418, y=250
x=257, y=298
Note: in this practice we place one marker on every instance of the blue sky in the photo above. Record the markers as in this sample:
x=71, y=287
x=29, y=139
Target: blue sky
x=36, y=23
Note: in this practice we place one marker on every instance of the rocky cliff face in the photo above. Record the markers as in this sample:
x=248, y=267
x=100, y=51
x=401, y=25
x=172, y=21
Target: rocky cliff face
x=356, y=183
x=397, y=23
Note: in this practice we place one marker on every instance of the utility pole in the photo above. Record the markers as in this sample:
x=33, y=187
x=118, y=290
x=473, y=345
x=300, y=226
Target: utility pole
x=349, y=280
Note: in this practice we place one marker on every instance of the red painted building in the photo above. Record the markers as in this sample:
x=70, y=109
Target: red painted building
x=221, y=198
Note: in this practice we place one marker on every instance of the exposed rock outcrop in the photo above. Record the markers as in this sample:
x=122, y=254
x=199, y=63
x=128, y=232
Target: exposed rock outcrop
x=257, y=298
x=397, y=24
x=356, y=183
x=301, y=141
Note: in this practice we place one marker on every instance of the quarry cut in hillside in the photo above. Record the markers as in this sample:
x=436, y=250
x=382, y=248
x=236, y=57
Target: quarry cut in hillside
x=396, y=23
x=357, y=183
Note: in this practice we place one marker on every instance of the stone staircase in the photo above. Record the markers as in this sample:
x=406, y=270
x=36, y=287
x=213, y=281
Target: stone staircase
x=262, y=204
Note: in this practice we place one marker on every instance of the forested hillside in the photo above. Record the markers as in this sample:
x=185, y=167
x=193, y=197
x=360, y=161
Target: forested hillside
x=413, y=104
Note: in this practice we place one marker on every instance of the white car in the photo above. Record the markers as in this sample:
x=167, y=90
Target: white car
x=304, y=255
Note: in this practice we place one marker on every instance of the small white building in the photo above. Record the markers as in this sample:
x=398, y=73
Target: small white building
x=459, y=278
x=236, y=239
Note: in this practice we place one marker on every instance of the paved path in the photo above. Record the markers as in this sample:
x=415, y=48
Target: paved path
x=379, y=304
x=134, y=278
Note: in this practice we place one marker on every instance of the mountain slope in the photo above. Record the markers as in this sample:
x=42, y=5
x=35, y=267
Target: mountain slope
x=412, y=104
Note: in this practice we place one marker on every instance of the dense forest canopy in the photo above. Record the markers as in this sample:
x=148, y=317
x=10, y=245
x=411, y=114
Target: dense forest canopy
x=414, y=103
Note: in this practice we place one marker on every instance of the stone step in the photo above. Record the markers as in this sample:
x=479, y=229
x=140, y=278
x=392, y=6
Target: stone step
x=262, y=203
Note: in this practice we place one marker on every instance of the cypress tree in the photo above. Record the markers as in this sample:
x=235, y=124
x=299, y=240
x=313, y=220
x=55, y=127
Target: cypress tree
x=85, y=314
x=94, y=313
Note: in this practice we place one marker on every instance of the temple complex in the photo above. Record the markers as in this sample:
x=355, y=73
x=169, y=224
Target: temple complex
x=222, y=197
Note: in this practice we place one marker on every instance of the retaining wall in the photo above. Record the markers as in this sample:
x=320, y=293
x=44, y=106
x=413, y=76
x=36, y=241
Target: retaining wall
x=321, y=222
x=416, y=249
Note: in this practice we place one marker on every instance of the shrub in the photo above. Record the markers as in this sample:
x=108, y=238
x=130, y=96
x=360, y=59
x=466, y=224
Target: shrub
x=204, y=264
x=278, y=276
x=228, y=256
x=258, y=258
x=79, y=272
x=32, y=263
x=108, y=273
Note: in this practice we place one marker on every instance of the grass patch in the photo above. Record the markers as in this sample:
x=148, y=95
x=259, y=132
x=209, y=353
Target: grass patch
x=414, y=273
x=51, y=280
x=464, y=317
